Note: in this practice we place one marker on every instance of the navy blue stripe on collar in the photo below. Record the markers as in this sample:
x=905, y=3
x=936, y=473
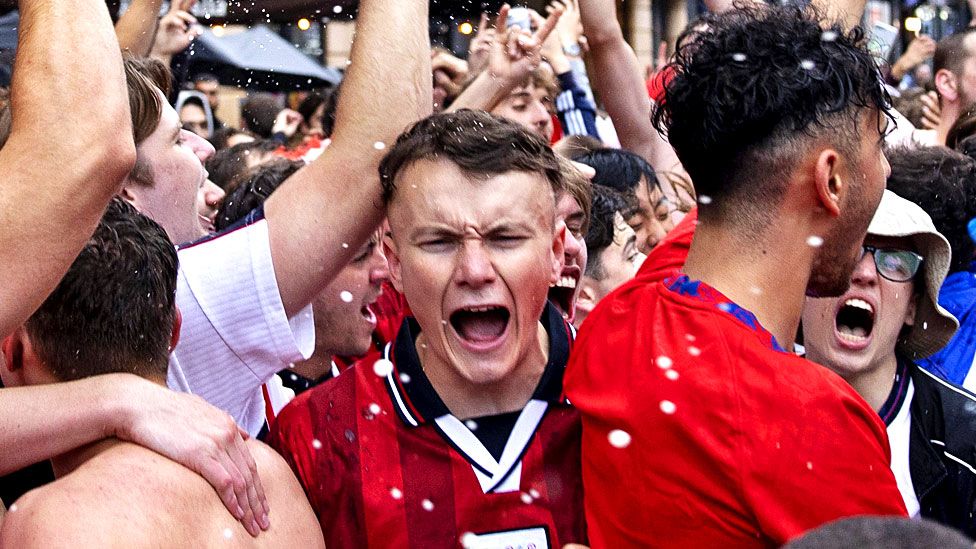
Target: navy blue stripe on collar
x=419, y=395
x=899, y=390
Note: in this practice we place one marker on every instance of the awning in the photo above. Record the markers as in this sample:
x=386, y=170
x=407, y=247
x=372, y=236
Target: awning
x=258, y=58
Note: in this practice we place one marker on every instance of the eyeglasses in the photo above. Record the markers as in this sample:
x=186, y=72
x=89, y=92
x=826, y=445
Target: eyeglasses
x=895, y=265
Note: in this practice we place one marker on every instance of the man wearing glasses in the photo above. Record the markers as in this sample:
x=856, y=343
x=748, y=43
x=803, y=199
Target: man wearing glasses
x=872, y=336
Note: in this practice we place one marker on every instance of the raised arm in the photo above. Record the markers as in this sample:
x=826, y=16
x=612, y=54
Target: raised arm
x=136, y=28
x=616, y=78
x=324, y=212
x=59, y=172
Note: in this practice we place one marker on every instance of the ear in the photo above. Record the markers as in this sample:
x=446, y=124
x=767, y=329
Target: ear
x=946, y=85
x=587, y=297
x=829, y=184
x=558, y=258
x=393, y=260
x=174, y=338
x=127, y=192
x=13, y=373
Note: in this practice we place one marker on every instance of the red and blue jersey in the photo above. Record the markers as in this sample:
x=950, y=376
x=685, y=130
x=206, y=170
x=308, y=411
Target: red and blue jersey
x=385, y=463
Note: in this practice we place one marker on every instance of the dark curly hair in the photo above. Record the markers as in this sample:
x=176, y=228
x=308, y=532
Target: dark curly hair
x=256, y=187
x=754, y=87
x=943, y=183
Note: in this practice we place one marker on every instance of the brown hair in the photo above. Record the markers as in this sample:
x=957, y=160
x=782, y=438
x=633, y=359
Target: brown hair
x=579, y=187
x=477, y=142
x=145, y=77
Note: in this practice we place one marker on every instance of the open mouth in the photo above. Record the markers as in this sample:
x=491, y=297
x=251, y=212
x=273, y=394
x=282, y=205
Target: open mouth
x=563, y=293
x=480, y=327
x=368, y=315
x=854, y=321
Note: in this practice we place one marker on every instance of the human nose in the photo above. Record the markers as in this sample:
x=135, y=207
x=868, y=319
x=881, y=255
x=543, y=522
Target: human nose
x=865, y=273
x=475, y=268
x=201, y=147
x=379, y=272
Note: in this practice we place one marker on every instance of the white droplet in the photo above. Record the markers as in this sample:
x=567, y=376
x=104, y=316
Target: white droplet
x=829, y=36
x=379, y=145
x=619, y=439
x=345, y=296
x=526, y=498
x=814, y=241
x=337, y=9
x=469, y=540
x=704, y=199
x=374, y=409
x=810, y=465
x=740, y=57
x=807, y=65
x=664, y=362
x=755, y=290
x=444, y=322
x=405, y=378
x=13, y=508
x=471, y=424
x=396, y=493
x=925, y=325
x=345, y=244
x=382, y=367
x=427, y=505
x=668, y=407
x=694, y=351
x=689, y=337
x=228, y=533
x=534, y=493
x=671, y=374
x=317, y=444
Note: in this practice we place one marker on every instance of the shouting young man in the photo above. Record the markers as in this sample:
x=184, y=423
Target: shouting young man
x=459, y=431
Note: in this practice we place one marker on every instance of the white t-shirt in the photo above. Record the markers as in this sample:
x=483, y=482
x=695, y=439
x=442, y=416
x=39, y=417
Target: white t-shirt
x=235, y=335
x=899, y=431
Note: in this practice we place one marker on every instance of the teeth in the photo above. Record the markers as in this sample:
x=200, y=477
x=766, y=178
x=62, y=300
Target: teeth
x=852, y=334
x=860, y=304
x=478, y=309
x=566, y=282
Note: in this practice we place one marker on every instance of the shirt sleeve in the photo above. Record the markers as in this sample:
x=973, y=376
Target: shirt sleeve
x=235, y=334
x=577, y=114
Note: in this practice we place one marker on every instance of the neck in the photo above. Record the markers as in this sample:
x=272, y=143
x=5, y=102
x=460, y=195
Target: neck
x=71, y=460
x=750, y=272
x=950, y=113
x=466, y=399
x=874, y=383
x=315, y=367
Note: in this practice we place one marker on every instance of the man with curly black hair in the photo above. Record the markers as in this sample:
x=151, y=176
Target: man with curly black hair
x=688, y=392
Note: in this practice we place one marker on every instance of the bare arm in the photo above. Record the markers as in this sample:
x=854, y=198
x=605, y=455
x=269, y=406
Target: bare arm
x=136, y=28
x=617, y=79
x=55, y=189
x=42, y=421
x=327, y=210
x=847, y=12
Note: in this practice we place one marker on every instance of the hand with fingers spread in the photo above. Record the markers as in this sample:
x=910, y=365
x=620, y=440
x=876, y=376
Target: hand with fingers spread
x=177, y=29
x=190, y=431
x=569, y=29
x=552, y=47
x=479, y=50
x=517, y=52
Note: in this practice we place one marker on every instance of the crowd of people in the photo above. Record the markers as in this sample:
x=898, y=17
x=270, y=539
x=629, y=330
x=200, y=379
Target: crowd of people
x=528, y=298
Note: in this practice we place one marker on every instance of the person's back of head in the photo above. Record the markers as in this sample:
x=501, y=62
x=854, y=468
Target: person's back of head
x=618, y=169
x=254, y=190
x=951, y=52
x=573, y=146
x=114, y=310
x=258, y=114
x=753, y=93
x=943, y=183
x=881, y=533
x=228, y=166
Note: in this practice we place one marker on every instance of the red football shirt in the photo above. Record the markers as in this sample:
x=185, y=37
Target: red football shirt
x=385, y=464
x=699, y=431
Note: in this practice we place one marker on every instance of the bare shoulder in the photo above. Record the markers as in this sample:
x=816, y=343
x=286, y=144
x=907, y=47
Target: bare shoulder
x=292, y=518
